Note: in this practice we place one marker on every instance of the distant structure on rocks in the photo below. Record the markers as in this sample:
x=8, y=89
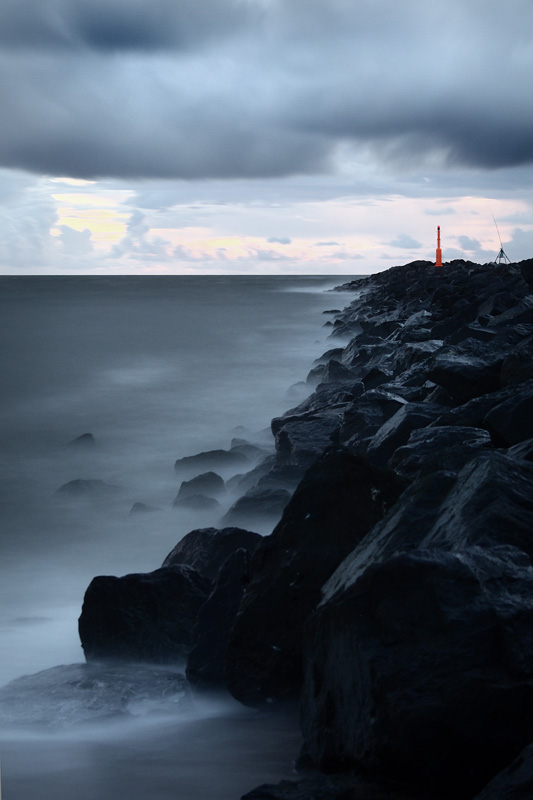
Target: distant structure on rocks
x=502, y=257
x=438, y=261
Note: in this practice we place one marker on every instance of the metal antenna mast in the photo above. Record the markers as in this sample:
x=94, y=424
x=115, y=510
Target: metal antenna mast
x=502, y=257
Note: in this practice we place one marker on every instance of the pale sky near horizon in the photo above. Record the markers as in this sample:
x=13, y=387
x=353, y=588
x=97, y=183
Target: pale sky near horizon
x=263, y=136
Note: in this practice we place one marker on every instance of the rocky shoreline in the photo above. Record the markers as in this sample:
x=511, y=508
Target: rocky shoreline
x=393, y=600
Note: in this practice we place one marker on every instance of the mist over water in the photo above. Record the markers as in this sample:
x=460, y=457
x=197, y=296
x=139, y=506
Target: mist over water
x=155, y=369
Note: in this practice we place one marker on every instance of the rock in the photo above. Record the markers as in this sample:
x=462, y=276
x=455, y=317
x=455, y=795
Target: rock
x=465, y=376
x=208, y=484
x=211, y=460
x=337, y=502
x=439, y=448
x=65, y=697
x=364, y=417
x=523, y=450
x=144, y=617
x=513, y=783
x=512, y=420
x=343, y=786
x=206, y=549
x=421, y=669
x=198, y=502
x=491, y=503
x=301, y=440
x=256, y=505
x=205, y=664
x=92, y=488
x=142, y=508
x=85, y=440
x=396, y=430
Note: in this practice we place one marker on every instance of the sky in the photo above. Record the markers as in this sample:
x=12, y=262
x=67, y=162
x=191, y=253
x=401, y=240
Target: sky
x=263, y=136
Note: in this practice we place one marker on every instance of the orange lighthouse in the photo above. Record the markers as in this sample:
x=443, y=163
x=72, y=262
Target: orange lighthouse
x=438, y=262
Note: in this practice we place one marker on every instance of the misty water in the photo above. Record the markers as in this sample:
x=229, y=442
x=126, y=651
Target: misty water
x=155, y=368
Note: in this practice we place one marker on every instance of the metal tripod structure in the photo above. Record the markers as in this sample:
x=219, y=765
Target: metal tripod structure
x=502, y=257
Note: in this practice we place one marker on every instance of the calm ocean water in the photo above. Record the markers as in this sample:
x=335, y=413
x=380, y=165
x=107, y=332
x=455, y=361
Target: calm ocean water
x=156, y=368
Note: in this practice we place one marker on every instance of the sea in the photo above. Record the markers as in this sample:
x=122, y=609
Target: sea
x=155, y=369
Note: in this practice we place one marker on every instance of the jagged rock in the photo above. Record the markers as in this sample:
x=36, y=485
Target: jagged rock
x=208, y=484
x=363, y=417
x=395, y=431
x=301, y=440
x=211, y=460
x=257, y=503
x=421, y=669
x=337, y=502
x=86, y=488
x=523, y=450
x=513, y=783
x=490, y=504
x=206, y=549
x=512, y=420
x=205, y=664
x=143, y=617
x=343, y=786
x=439, y=448
x=197, y=501
x=142, y=508
x=64, y=697
x=463, y=375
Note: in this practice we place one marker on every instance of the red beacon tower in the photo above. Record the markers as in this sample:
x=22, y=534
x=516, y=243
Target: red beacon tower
x=438, y=262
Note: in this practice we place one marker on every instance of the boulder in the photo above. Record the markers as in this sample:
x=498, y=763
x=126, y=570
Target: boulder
x=511, y=421
x=439, y=448
x=144, y=617
x=257, y=504
x=208, y=484
x=421, y=669
x=395, y=431
x=491, y=503
x=515, y=782
x=339, y=499
x=205, y=663
x=206, y=549
x=301, y=440
x=211, y=460
x=463, y=375
x=91, y=488
x=343, y=786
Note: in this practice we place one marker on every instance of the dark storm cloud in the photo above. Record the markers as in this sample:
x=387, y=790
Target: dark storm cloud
x=263, y=88
x=119, y=24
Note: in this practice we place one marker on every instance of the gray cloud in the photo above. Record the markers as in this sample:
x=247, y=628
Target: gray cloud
x=279, y=240
x=405, y=241
x=197, y=89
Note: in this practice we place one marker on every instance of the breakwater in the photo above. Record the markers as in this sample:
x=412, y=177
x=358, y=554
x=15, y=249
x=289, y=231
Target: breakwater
x=392, y=599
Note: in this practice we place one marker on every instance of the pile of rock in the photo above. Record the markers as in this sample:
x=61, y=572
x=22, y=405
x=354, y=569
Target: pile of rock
x=394, y=599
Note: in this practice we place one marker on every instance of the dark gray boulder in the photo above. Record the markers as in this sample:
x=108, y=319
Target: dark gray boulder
x=256, y=505
x=206, y=549
x=515, y=782
x=464, y=375
x=143, y=617
x=205, y=663
x=395, y=431
x=439, y=448
x=511, y=421
x=91, y=488
x=340, y=498
x=421, y=669
x=208, y=484
x=212, y=460
x=343, y=786
x=301, y=440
